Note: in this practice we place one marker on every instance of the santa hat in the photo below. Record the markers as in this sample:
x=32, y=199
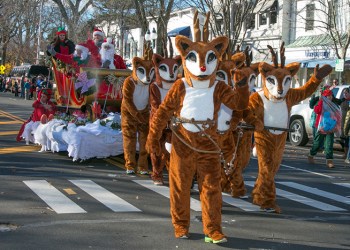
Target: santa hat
x=97, y=31
x=60, y=31
x=83, y=47
x=108, y=42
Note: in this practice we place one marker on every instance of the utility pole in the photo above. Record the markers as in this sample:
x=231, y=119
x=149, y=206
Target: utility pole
x=39, y=33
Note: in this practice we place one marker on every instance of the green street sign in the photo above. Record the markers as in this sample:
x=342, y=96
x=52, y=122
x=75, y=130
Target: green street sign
x=339, y=65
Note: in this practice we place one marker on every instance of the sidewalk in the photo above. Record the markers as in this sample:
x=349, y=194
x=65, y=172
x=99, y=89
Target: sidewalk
x=12, y=95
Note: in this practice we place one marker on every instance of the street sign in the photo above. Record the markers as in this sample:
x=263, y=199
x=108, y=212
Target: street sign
x=339, y=65
x=2, y=69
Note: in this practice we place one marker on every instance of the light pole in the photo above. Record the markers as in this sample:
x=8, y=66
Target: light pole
x=154, y=37
x=39, y=33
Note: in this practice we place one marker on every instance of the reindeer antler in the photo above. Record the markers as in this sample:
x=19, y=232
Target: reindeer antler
x=171, y=49
x=206, y=28
x=147, y=51
x=274, y=56
x=196, y=29
x=248, y=59
x=282, y=56
x=238, y=49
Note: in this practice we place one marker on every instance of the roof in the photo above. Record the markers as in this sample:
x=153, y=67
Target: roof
x=262, y=6
x=312, y=41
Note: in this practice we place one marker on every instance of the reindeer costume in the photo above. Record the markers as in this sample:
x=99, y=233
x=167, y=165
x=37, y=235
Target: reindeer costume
x=135, y=112
x=166, y=69
x=272, y=105
x=193, y=104
x=242, y=71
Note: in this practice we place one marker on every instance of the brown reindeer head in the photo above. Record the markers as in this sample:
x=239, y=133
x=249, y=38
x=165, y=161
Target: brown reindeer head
x=143, y=68
x=200, y=59
x=277, y=78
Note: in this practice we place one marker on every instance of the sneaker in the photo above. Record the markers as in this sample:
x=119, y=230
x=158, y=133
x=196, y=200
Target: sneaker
x=185, y=236
x=347, y=161
x=269, y=210
x=310, y=159
x=330, y=163
x=143, y=172
x=207, y=239
x=130, y=171
x=158, y=182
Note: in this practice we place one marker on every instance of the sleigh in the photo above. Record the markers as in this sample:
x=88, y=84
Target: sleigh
x=105, y=91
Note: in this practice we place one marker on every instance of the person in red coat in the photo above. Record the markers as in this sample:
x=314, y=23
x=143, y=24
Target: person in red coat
x=42, y=106
x=61, y=43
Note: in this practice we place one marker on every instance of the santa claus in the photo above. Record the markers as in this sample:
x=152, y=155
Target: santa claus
x=107, y=54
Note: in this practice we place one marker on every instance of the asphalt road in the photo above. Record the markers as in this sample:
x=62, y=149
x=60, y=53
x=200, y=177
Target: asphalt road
x=47, y=201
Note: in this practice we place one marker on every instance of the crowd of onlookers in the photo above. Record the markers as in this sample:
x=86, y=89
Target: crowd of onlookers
x=24, y=87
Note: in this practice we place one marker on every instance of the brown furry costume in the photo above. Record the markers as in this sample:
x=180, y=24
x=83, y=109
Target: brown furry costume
x=135, y=111
x=272, y=105
x=166, y=69
x=194, y=102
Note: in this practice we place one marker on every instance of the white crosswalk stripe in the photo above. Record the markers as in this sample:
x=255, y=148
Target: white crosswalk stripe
x=302, y=199
x=107, y=198
x=316, y=191
x=63, y=205
x=54, y=198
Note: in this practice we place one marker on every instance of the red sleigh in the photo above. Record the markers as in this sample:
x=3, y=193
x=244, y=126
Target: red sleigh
x=108, y=88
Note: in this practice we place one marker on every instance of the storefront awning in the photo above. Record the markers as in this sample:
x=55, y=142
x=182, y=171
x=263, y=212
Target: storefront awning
x=262, y=6
x=311, y=63
x=185, y=31
x=311, y=41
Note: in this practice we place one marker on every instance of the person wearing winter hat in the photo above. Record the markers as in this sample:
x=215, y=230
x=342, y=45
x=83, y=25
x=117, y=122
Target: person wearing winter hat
x=61, y=43
x=319, y=137
x=42, y=106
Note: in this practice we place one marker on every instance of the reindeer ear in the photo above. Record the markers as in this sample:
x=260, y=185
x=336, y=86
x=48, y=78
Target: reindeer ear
x=220, y=44
x=178, y=60
x=156, y=59
x=136, y=61
x=182, y=43
x=255, y=68
x=293, y=67
x=239, y=59
x=265, y=67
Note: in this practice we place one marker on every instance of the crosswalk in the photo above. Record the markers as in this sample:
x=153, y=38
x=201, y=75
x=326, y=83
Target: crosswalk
x=299, y=193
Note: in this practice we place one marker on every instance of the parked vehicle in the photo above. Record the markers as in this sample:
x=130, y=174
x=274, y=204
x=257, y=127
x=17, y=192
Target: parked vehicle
x=300, y=115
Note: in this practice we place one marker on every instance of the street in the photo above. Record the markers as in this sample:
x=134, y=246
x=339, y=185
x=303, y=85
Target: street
x=47, y=201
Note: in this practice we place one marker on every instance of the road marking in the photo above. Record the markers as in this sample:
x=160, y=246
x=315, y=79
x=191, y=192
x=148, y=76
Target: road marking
x=9, y=133
x=18, y=149
x=316, y=191
x=343, y=184
x=104, y=196
x=53, y=197
x=303, y=199
x=69, y=191
x=9, y=115
x=307, y=171
x=11, y=122
x=164, y=191
x=244, y=205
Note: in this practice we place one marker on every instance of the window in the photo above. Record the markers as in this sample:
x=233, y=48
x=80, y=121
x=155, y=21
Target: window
x=310, y=15
x=262, y=19
x=332, y=12
x=273, y=13
x=127, y=51
x=135, y=49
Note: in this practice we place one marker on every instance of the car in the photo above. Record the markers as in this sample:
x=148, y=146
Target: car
x=299, y=121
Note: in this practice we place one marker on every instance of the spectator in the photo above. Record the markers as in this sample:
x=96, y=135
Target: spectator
x=16, y=87
x=26, y=89
x=335, y=83
x=22, y=86
x=32, y=91
x=329, y=137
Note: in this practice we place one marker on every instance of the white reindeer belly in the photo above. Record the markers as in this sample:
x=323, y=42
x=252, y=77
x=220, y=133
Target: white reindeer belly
x=198, y=104
x=224, y=118
x=141, y=96
x=275, y=114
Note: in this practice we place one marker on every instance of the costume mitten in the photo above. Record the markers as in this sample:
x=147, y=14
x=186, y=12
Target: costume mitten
x=322, y=72
x=153, y=146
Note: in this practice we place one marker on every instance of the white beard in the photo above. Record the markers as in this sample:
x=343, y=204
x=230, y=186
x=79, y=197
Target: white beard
x=108, y=55
x=83, y=55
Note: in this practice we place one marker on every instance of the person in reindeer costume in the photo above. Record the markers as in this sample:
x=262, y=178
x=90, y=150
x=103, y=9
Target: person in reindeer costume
x=192, y=104
x=166, y=70
x=272, y=105
x=238, y=148
x=135, y=112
